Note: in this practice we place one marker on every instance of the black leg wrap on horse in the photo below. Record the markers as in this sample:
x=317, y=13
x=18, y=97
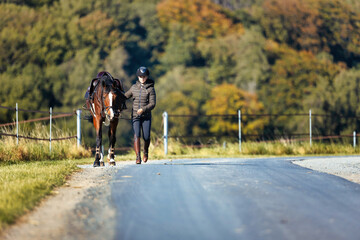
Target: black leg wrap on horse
x=97, y=158
x=112, y=153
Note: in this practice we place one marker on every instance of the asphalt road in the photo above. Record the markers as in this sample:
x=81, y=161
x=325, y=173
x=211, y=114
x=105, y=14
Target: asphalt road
x=233, y=199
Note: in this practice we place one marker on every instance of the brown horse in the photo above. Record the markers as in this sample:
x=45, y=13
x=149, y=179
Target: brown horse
x=107, y=100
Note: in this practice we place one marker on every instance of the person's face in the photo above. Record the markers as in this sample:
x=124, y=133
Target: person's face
x=142, y=79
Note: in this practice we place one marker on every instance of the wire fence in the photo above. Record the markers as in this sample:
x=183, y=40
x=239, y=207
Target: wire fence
x=233, y=136
x=38, y=119
x=270, y=136
x=52, y=115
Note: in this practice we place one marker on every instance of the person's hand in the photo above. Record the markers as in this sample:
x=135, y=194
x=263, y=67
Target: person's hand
x=140, y=111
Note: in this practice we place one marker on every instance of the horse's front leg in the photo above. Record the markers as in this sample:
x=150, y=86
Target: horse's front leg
x=98, y=154
x=112, y=140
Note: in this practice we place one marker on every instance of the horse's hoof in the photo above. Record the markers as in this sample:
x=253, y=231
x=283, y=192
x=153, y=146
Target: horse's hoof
x=102, y=164
x=96, y=164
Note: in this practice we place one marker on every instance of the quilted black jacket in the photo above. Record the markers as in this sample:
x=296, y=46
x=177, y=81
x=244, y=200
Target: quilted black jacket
x=143, y=96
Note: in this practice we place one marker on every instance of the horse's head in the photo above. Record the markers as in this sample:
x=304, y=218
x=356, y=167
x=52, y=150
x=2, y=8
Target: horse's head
x=113, y=96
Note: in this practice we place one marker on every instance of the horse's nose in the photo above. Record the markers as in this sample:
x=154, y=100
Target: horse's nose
x=111, y=113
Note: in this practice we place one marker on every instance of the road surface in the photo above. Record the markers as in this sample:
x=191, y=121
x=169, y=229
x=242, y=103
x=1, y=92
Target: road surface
x=233, y=199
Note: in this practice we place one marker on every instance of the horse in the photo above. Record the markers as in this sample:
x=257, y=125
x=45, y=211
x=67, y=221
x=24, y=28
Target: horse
x=107, y=100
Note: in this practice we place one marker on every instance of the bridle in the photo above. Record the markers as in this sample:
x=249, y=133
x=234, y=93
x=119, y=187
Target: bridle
x=107, y=111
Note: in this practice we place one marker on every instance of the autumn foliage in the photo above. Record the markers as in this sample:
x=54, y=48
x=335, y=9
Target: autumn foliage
x=325, y=25
x=206, y=57
x=227, y=99
x=208, y=19
x=296, y=74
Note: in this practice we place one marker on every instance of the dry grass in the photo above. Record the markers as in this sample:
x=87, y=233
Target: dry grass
x=284, y=148
x=31, y=150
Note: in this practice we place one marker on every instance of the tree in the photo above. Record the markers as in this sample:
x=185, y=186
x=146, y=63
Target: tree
x=182, y=91
x=208, y=19
x=341, y=30
x=237, y=4
x=181, y=47
x=15, y=23
x=31, y=3
x=252, y=65
x=294, y=78
x=48, y=41
x=26, y=89
x=220, y=58
x=141, y=34
x=80, y=71
x=294, y=22
x=96, y=30
x=236, y=59
x=327, y=25
x=116, y=62
x=340, y=100
x=177, y=103
x=228, y=99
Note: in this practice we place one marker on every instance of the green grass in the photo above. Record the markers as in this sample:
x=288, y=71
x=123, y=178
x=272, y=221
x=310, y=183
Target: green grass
x=29, y=171
x=23, y=185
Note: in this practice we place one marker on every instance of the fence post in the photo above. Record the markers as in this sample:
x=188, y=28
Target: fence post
x=165, y=116
x=78, y=124
x=17, y=124
x=354, y=139
x=50, y=128
x=310, y=127
x=239, y=116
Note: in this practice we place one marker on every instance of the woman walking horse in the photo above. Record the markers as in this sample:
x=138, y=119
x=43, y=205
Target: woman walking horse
x=105, y=99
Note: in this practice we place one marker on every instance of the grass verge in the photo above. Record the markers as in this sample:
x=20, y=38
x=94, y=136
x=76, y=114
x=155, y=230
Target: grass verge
x=30, y=150
x=252, y=149
x=248, y=149
x=23, y=185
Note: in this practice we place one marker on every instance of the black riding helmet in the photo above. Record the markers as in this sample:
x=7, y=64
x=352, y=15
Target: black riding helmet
x=142, y=71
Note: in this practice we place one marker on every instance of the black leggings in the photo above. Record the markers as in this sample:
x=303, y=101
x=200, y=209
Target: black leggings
x=144, y=124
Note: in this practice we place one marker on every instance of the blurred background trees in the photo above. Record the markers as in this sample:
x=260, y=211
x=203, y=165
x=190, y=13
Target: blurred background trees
x=206, y=57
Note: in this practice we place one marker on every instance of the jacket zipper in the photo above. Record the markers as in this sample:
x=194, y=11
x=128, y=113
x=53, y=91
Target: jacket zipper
x=140, y=97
